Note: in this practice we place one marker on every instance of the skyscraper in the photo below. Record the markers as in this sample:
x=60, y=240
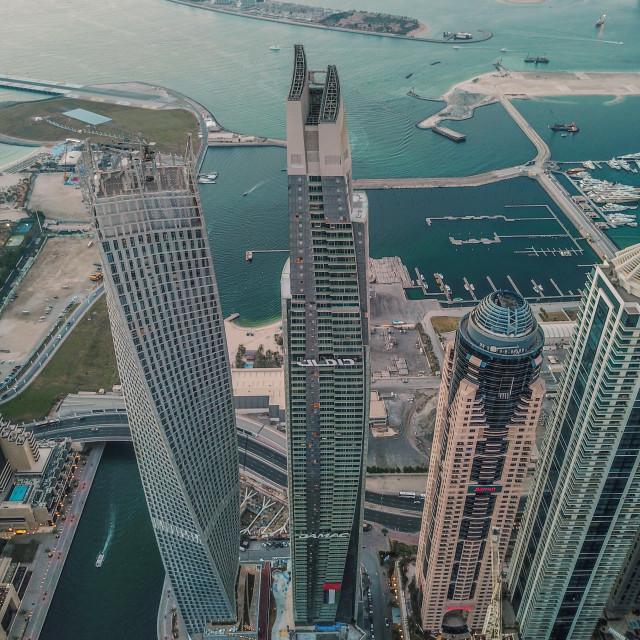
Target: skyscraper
x=583, y=511
x=488, y=408
x=326, y=328
x=171, y=351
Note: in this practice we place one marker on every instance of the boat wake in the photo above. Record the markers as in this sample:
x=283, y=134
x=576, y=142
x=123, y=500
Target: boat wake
x=248, y=191
x=107, y=543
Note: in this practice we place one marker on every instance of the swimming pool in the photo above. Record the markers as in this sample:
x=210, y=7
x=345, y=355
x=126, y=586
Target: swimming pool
x=18, y=493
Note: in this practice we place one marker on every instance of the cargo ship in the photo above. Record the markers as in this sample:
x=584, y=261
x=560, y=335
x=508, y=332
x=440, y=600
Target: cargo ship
x=538, y=59
x=571, y=128
x=601, y=19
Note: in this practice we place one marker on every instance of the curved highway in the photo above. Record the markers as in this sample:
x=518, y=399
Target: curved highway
x=30, y=370
x=254, y=456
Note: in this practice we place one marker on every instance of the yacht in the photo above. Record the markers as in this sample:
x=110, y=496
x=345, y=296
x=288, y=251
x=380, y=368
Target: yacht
x=100, y=560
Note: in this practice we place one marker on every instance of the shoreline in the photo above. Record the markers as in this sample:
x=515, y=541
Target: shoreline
x=423, y=28
x=491, y=87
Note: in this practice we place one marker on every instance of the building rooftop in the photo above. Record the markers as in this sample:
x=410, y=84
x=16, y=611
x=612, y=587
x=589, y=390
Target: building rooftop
x=627, y=267
x=504, y=323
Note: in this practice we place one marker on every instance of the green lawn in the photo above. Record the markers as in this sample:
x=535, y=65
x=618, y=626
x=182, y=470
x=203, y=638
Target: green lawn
x=445, y=324
x=168, y=128
x=84, y=362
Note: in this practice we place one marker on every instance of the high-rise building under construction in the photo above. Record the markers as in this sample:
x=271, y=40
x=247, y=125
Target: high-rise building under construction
x=171, y=352
x=326, y=329
x=488, y=408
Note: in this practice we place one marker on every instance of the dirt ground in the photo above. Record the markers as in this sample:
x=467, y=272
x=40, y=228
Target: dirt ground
x=57, y=200
x=9, y=179
x=63, y=261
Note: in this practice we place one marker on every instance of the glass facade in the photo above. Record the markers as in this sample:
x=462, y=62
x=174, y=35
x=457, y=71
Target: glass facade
x=582, y=514
x=171, y=351
x=325, y=314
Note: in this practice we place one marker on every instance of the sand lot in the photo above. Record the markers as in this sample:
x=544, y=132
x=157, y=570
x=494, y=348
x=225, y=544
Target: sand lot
x=9, y=179
x=263, y=335
x=57, y=200
x=63, y=261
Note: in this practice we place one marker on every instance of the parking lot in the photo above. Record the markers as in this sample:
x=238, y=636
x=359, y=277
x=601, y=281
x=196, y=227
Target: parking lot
x=393, y=347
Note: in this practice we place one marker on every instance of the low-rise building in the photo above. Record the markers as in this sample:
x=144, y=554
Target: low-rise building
x=34, y=479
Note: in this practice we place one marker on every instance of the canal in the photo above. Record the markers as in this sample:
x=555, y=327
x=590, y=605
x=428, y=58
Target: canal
x=120, y=599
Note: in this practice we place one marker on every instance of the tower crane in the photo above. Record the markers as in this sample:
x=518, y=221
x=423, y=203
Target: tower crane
x=492, y=628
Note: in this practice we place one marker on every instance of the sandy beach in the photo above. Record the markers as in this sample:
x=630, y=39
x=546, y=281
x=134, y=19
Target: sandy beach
x=251, y=338
x=470, y=94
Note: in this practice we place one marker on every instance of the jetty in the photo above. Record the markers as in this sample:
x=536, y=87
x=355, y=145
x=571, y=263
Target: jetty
x=449, y=133
x=249, y=254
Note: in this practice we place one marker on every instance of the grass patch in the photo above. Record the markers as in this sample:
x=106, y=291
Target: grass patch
x=24, y=552
x=444, y=324
x=168, y=128
x=84, y=362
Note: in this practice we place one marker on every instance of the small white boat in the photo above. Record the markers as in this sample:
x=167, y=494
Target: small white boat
x=274, y=47
x=100, y=560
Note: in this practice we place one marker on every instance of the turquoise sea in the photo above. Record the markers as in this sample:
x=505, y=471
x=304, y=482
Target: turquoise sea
x=225, y=63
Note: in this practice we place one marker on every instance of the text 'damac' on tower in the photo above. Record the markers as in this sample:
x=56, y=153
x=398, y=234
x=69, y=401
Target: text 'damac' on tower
x=488, y=408
x=171, y=352
x=582, y=517
x=326, y=326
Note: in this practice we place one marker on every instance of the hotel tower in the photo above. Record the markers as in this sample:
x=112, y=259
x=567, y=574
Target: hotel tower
x=171, y=351
x=326, y=328
x=488, y=408
x=581, y=520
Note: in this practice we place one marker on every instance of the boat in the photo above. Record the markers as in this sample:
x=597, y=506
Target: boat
x=624, y=164
x=538, y=59
x=613, y=163
x=589, y=165
x=601, y=19
x=100, y=560
x=212, y=176
x=408, y=76
x=436, y=62
x=274, y=47
x=245, y=193
x=205, y=181
x=504, y=49
x=456, y=47
x=571, y=128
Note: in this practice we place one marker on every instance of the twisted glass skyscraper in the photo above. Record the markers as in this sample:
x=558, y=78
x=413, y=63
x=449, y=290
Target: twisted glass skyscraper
x=583, y=511
x=171, y=351
x=326, y=328
x=488, y=408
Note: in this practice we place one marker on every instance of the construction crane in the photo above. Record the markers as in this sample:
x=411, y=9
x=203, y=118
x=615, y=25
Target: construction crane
x=492, y=628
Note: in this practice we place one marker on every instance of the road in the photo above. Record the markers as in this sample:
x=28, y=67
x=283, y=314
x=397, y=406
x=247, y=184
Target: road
x=28, y=373
x=376, y=579
x=256, y=457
